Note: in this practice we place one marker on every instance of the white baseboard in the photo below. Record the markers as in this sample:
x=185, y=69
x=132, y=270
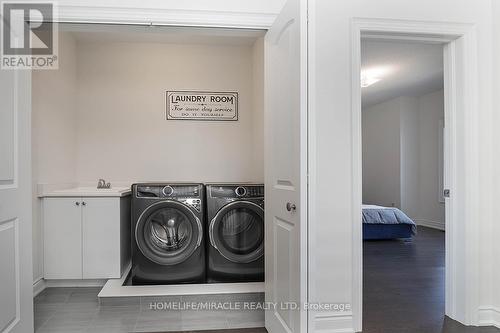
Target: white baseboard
x=334, y=322
x=38, y=286
x=489, y=316
x=74, y=283
x=430, y=224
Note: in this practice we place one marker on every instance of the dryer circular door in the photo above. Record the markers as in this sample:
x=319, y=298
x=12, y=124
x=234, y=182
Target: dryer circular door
x=237, y=231
x=168, y=232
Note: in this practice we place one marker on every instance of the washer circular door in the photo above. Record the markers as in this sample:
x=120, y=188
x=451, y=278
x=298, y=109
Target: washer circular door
x=168, y=232
x=237, y=231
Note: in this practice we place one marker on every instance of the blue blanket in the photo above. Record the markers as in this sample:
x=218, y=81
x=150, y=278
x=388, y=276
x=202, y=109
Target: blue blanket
x=386, y=215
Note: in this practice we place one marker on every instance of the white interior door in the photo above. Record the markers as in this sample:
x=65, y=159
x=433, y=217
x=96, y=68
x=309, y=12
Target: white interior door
x=16, y=277
x=286, y=169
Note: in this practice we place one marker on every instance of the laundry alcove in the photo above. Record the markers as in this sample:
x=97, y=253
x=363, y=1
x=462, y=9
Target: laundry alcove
x=103, y=114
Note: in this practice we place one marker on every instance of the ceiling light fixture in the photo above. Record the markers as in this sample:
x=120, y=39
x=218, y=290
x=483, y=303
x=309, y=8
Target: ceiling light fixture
x=368, y=81
x=373, y=75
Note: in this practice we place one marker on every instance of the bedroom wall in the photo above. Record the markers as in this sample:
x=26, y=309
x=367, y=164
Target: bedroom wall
x=381, y=154
x=401, y=156
x=53, y=133
x=409, y=155
x=431, y=210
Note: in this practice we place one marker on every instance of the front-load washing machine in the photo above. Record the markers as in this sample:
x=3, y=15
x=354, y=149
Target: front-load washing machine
x=168, y=232
x=235, y=244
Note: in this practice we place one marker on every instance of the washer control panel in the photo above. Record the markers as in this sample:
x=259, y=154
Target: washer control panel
x=188, y=194
x=169, y=191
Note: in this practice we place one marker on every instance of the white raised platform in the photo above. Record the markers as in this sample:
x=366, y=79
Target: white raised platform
x=115, y=288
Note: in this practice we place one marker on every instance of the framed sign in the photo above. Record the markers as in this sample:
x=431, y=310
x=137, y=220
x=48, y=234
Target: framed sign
x=202, y=105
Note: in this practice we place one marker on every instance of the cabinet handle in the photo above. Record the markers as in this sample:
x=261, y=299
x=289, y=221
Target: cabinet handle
x=77, y=203
x=84, y=203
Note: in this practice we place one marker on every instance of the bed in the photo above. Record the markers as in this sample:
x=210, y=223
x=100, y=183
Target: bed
x=386, y=223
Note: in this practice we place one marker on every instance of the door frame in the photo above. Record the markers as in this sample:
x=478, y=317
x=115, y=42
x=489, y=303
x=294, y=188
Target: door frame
x=202, y=19
x=164, y=17
x=462, y=152
x=143, y=16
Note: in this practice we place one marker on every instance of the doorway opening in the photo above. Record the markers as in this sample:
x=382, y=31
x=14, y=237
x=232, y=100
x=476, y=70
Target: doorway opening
x=461, y=151
x=403, y=223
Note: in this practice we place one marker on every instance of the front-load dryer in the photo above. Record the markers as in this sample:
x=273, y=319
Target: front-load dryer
x=168, y=231
x=235, y=244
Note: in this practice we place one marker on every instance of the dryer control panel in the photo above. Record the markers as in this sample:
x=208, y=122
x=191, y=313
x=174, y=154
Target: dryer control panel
x=237, y=191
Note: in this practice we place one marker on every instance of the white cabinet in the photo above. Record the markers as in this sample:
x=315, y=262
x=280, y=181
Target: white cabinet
x=86, y=237
x=99, y=244
x=62, y=233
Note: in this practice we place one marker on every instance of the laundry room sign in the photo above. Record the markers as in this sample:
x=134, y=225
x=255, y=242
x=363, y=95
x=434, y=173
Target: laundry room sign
x=202, y=105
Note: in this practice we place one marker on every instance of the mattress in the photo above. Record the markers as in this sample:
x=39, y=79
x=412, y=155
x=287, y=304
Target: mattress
x=381, y=222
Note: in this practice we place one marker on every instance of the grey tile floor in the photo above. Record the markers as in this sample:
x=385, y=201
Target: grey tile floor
x=71, y=310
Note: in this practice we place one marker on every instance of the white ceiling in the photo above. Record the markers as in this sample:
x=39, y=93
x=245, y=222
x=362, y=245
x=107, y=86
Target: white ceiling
x=101, y=33
x=411, y=69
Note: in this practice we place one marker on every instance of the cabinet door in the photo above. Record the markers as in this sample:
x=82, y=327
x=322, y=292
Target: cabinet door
x=101, y=238
x=62, y=219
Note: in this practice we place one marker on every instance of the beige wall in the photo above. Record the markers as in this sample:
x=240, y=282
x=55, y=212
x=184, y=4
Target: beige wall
x=121, y=127
x=258, y=109
x=53, y=132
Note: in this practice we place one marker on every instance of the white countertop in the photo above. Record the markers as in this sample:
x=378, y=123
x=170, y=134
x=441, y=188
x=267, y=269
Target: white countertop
x=82, y=191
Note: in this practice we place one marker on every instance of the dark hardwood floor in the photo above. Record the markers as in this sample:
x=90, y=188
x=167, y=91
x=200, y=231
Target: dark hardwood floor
x=403, y=286
x=238, y=330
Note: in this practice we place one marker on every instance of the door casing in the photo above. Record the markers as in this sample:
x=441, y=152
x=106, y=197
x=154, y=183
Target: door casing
x=194, y=18
x=461, y=152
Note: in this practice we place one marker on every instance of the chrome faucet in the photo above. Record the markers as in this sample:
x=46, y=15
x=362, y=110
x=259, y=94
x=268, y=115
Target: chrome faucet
x=102, y=184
